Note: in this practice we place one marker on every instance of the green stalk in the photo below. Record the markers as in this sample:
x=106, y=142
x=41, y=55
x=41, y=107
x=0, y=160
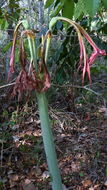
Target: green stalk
x=46, y=127
x=48, y=142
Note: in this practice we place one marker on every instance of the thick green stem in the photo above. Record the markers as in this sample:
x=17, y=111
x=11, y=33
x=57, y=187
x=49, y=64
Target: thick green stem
x=48, y=142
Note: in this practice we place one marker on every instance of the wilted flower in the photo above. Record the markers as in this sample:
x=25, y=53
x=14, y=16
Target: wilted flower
x=29, y=78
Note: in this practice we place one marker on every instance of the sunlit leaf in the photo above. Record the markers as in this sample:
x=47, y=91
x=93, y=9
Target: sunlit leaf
x=79, y=8
x=57, y=9
x=91, y=6
x=48, y=3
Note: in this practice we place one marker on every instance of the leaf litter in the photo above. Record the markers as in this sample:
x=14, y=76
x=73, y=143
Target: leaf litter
x=81, y=145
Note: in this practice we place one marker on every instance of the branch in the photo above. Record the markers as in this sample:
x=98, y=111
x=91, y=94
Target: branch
x=77, y=86
x=6, y=85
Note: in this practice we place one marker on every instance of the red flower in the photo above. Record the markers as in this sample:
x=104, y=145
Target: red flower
x=87, y=62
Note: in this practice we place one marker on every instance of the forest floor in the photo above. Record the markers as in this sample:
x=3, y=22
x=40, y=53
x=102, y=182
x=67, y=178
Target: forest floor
x=81, y=143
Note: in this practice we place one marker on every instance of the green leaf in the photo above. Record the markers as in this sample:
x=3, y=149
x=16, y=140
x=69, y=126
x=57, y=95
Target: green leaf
x=63, y=1
x=68, y=9
x=78, y=9
x=48, y=3
x=105, y=3
x=3, y=24
x=6, y=48
x=56, y=3
x=91, y=6
x=57, y=9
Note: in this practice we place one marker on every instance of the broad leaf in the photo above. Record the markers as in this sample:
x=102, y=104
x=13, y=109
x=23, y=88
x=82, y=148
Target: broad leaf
x=105, y=3
x=91, y=6
x=63, y=1
x=68, y=9
x=48, y=3
x=79, y=8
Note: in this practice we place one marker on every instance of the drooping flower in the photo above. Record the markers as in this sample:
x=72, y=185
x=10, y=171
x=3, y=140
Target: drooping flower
x=86, y=61
x=29, y=78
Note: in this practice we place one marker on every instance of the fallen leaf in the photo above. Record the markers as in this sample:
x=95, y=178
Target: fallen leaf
x=28, y=185
x=15, y=177
x=86, y=183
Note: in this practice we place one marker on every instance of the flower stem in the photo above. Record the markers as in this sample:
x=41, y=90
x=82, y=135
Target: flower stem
x=48, y=142
x=46, y=128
